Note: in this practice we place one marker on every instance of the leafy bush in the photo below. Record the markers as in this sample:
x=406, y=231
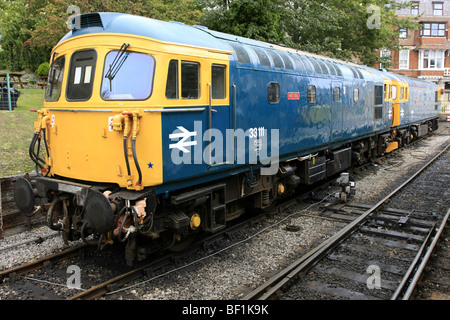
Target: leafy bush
x=43, y=69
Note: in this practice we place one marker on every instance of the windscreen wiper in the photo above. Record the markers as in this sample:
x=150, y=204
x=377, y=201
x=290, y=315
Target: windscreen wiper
x=117, y=63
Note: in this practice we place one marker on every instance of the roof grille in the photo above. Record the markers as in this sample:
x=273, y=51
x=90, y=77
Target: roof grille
x=87, y=20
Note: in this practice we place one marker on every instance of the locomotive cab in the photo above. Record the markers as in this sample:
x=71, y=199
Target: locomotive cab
x=102, y=132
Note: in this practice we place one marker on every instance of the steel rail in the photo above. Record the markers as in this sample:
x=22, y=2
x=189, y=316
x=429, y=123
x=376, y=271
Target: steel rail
x=415, y=271
x=302, y=265
x=40, y=263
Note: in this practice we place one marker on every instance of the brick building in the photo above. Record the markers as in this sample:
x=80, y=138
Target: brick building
x=426, y=53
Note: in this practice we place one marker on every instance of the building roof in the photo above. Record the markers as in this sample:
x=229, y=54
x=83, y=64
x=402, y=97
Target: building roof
x=432, y=46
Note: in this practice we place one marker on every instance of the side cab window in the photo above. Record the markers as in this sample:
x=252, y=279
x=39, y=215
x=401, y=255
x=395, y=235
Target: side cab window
x=81, y=75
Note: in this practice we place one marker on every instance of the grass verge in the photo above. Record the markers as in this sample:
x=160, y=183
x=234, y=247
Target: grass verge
x=16, y=132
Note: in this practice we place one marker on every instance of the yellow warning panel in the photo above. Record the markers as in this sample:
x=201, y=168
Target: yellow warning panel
x=392, y=146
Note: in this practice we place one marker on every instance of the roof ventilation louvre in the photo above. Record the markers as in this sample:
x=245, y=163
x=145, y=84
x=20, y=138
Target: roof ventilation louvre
x=87, y=20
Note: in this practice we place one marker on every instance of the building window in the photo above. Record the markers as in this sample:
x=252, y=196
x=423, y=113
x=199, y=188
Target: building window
x=403, y=33
x=438, y=8
x=431, y=59
x=414, y=8
x=433, y=29
x=403, y=62
x=384, y=54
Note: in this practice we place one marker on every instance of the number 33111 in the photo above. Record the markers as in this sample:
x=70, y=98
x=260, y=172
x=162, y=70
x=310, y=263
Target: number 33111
x=256, y=132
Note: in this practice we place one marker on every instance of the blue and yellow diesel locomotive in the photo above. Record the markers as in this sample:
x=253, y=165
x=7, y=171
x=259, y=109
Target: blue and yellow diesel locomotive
x=152, y=131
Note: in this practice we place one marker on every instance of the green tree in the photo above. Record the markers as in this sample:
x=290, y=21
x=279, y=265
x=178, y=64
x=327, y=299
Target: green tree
x=18, y=19
x=56, y=15
x=31, y=28
x=338, y=28
x=347, y=29
x=255, y=19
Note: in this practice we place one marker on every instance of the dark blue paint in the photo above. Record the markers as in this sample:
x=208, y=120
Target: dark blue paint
x=303, y=127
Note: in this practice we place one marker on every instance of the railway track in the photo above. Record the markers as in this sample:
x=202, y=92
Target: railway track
x=43, y=262
x=210, y=245
x=399, y=243
x=384, y=218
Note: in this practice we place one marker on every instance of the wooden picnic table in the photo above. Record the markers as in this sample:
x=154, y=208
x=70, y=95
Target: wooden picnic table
x=44, y=82
x=13, y=77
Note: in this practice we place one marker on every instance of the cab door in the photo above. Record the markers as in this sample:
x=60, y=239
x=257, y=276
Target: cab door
x=395, y=96
x=219, y=149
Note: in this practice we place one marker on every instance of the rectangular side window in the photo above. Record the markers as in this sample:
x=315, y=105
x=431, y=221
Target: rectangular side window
x=337, y=94
x=218, y=80
x=378, y=110
x=172, y=80
x=81, y=71
x=378, y=95
x=311, y=94
x=190, y=80
x=356, y=94
x=394, y=92
x=55, y=79
x=273, y=92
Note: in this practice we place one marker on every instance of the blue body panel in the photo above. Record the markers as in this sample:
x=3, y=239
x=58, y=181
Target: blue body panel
x=422, y=102
x=303, y=127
